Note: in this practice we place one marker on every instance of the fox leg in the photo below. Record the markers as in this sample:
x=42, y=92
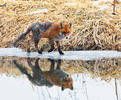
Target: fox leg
x=36, y=37
x=35, y=68
x=58, y=64
x=52, y=46
x=36, y=46
x=59, y=48
x=52, y=64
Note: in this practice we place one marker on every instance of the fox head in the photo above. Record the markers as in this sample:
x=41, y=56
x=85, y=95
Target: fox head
x=65, y=30
x=67, y=82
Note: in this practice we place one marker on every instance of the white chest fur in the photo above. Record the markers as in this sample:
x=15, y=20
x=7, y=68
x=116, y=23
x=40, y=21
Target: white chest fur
x=60, y=38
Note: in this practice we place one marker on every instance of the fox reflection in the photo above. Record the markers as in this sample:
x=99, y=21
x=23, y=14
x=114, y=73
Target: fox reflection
x=49, y=78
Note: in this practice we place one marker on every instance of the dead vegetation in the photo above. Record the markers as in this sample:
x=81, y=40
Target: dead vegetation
x=93, y=28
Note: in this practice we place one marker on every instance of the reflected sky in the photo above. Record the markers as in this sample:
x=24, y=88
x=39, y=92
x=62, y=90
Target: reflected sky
x=85, y=88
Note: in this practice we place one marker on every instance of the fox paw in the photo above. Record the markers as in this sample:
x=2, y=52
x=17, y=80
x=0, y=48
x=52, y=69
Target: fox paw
x=50, y=50
x=39, y=51
x=61, y=53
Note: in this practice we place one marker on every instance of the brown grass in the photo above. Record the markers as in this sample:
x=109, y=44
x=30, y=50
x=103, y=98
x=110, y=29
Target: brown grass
x=93, y=29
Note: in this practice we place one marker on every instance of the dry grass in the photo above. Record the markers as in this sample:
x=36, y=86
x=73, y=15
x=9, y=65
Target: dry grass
x=93, y=29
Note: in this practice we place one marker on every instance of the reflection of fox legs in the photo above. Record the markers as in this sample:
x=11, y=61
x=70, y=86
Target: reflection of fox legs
x=35, y=68
x=36, y=78
x=58, y=64
x=53, y=64
x=54, y=76
x=58, y=77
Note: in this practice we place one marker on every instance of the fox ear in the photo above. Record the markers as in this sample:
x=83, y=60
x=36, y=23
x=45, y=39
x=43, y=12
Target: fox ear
x=61, y=25
x=70, y=25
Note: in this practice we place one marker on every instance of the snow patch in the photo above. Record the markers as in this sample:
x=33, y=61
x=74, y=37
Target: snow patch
x=39, y=11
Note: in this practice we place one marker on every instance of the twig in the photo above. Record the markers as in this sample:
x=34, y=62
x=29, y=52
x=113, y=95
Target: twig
x=116, y=90
x=114, y=7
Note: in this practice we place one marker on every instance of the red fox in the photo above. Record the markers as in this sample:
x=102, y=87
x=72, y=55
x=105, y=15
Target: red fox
x=55, y=76
x=54, y=32
x=59, y=78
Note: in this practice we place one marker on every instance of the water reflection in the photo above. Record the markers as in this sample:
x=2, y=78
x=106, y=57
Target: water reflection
x=49, y=78
x=92, y=80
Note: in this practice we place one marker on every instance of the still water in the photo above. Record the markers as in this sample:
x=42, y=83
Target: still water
x=77, y=75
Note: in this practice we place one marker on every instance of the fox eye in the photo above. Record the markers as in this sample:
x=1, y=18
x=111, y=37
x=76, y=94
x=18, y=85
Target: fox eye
x=64, y=32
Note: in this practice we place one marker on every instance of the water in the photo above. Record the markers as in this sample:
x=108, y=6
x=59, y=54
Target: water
x=95, y=75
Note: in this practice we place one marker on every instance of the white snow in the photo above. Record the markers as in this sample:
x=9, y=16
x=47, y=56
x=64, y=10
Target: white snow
x=40, y=11
x=68, y=55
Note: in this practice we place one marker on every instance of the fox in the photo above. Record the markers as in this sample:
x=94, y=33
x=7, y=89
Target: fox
x=58, y=77
x=54, y=32
x=55, y=76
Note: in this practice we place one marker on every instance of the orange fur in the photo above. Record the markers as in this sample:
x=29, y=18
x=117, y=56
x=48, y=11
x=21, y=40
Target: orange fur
x=57, y=79
x=54, y=32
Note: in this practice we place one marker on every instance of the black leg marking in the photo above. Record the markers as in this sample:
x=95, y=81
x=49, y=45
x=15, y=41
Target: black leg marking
x=40, y=51
x=52, y=48
x=59, y=48
x=60, y=51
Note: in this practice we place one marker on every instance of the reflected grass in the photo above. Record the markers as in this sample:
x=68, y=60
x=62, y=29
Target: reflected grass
x=105, y=69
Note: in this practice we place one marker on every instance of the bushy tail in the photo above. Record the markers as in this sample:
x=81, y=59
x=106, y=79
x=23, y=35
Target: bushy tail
x=22, y=36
